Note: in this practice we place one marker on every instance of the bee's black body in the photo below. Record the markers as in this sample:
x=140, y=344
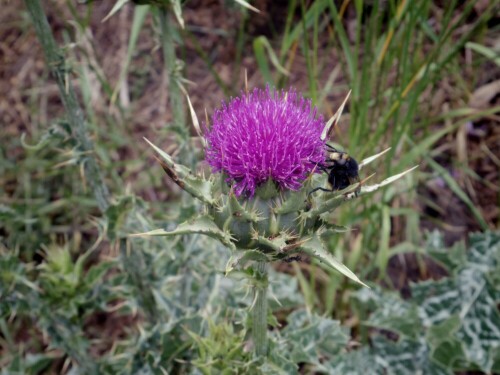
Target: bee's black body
x=341, y=176
x=342, y=170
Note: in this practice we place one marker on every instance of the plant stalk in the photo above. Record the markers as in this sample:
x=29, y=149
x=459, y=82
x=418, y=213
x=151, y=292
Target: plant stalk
x=259, y=312
x=58, y=69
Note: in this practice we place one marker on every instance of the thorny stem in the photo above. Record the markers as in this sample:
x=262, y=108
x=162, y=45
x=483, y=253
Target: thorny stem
x=57, y=66
x=259, y=312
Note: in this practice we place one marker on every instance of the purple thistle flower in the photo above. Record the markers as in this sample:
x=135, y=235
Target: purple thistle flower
x=266, y=134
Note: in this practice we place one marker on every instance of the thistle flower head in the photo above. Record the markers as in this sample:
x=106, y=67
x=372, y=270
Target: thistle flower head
x=265, y=141
x=265, y=134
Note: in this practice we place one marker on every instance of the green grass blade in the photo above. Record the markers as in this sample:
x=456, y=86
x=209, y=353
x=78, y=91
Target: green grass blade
x=455, y=188
x=140, y=13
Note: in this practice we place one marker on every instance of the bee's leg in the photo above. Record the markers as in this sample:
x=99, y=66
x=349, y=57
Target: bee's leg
x=331, y=148
x=355, y=180
x=319, y=188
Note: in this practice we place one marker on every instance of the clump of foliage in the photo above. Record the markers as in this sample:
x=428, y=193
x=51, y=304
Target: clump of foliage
x=446, y=325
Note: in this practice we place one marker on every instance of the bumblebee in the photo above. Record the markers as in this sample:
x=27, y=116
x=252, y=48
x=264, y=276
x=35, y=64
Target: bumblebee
x=342, y=170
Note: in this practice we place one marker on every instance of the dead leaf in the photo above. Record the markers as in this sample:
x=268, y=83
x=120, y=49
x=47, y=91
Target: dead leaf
x=483, y=96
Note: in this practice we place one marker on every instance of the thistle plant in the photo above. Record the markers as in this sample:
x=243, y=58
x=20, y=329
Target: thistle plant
x=264, y=149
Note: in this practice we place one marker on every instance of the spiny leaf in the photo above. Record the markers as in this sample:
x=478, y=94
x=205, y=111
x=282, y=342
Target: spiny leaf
x=292, y=203
x=406, y=357
x=334, y=120
x=247, y=5
x=473, y=299
x=240, y=211
x=355, y=362
x=310, y=337
x=391, y=312
x=338, y=198
x=372, y=158
x=182, y=176
x=118, y=5
x=243, y=259
x=202, y=225
x=446, y=348
x=195, y=121
x=314, y=247
x=277, y=244
x=387, y=181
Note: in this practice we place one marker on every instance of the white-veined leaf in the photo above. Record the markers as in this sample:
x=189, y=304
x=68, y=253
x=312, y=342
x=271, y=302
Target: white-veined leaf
x=201, y=225
x=314, y=247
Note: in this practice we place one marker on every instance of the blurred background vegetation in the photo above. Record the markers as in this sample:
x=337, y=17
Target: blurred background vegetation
x=77, y=296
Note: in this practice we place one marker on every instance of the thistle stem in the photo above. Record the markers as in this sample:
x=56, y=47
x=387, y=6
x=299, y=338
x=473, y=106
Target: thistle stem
x=76, y=118
x=259, y=312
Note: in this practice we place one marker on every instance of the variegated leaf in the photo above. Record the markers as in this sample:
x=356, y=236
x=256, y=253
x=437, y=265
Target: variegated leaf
x=182, y=176
x=314, y=247
x=202, y=225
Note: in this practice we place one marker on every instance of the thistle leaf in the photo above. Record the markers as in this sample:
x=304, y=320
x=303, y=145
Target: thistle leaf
x=310, y=337
x=346, y=195
x=240, y=261
x=239, y=210
x=335, y=119
x=387, y=181
x=338, y=198
x=293, y=202
x=471, y=297
x=195, y=121
x=201, y=225
x=277, y=244
x=118, y=5
x=182, y=176
x=390, y=312
x=314, y=247
x=247, y=5
x=372, y=158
